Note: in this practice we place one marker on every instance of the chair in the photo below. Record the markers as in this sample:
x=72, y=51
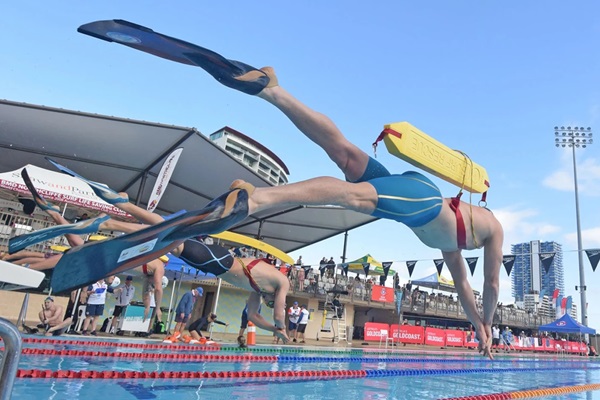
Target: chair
x=385, y=337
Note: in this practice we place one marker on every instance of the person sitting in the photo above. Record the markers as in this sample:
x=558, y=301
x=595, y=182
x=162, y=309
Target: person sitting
x=338, y=307
x=53, y=319
x=199, y=325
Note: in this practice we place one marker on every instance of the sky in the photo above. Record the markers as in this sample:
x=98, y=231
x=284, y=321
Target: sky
x=491, y=79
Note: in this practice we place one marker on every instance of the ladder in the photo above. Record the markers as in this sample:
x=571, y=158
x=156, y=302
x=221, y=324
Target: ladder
x=341, y=328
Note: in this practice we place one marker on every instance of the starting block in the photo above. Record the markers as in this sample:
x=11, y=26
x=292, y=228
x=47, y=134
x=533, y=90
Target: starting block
x=421, y=150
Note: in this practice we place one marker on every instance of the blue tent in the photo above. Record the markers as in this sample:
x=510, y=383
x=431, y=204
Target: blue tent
x=566, y=324
x=177, y=268
x=435, y=281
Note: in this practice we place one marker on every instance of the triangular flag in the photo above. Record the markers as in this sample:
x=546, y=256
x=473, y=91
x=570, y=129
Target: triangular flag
x=594, y=257
x=508, y=262
x=386, y=267
x=546, y=260
x=366, y=267
x=439, y=265
x=345, y=268
x=306, y=269
x=411, y=267
x=472, y=262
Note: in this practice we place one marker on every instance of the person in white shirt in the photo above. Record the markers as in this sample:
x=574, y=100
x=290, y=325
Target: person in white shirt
x=95, y=304
x=495, y=336
x=124, y=295
x=294, y=316
x=302, y=323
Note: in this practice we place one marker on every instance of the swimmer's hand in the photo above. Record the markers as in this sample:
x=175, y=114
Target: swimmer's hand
x=280, y=333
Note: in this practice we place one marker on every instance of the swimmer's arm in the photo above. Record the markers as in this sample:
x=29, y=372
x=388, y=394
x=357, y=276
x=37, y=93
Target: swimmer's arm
x=279, y=307
x=254, y=315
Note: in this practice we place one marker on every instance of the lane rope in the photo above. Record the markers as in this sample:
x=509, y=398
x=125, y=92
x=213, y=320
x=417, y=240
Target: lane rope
x=259, y=358
x=314, y=374
x=540, y=392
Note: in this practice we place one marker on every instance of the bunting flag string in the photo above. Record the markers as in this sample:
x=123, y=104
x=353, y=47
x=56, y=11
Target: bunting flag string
x=472, y=262
x=439, y=265
x=594, y=257
x=411, y=267
x=508, y=262
x=546, y=260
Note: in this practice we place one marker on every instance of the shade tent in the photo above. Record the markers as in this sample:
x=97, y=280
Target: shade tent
x=56, y=187
x=435, y=281
x=375, y=267
x=566, y=324
x=127, y=155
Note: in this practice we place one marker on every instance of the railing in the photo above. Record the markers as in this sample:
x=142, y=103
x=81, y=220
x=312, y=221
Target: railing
x=10, y=361
x=422, y=303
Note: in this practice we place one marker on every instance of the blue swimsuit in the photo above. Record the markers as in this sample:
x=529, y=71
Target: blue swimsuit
x=409, y=198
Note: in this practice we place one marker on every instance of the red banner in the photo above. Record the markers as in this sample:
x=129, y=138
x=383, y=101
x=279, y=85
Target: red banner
x=435, y=337
x=408, y=334
x=455, y=338
x=373, y=330
x=382, y=294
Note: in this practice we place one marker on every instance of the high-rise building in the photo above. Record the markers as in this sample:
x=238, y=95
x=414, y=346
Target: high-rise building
x=529, y=275
x=252, y=154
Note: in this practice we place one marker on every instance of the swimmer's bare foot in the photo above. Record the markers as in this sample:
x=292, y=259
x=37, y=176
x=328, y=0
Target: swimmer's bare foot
x=257, y=74
x=241, y=184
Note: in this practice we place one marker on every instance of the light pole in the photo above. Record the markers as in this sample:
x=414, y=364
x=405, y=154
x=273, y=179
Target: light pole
x=576, y=137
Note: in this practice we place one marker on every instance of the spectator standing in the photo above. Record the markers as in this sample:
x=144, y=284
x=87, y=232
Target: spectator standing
x=302, y=323
x=124, y=296
x=184, y=310
x=95, y=305
x=495, y=337
x=301, y=275
x=330, y=268
x=294, y=317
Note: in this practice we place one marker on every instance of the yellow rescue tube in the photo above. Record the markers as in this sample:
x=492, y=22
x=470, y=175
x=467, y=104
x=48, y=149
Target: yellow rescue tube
x=421, y=150
x=257, y=244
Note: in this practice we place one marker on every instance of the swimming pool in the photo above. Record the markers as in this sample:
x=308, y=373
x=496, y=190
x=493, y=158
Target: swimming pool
x=79, y=368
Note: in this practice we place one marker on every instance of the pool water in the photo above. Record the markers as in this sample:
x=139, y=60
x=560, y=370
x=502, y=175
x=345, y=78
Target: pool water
x=388, y=376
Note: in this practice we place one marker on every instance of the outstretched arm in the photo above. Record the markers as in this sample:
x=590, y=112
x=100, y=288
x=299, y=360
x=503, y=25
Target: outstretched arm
x=492, y=261
x=456, y=265
x=258, y=320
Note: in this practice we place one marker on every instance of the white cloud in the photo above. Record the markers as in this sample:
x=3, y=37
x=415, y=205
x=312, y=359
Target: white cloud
x=588, y=174
x=520, y=226
x=590, y=238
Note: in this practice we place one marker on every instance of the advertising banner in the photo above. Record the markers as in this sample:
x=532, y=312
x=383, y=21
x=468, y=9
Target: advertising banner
x=382, y=294
x=408, y=334
x=435, y=337
x=455, y=338
x=373, y=330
